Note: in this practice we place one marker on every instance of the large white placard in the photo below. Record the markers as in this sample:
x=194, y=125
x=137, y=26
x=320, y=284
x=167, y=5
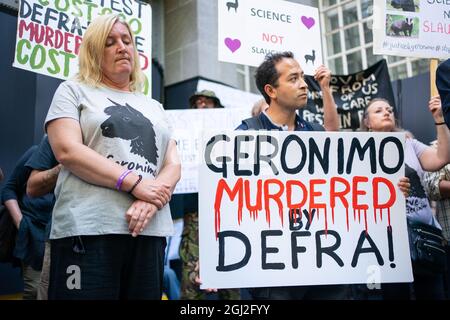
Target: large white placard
x=188, y=127
x=412, y=28
x=289, y=208
x=249, y=29
x=49, y=33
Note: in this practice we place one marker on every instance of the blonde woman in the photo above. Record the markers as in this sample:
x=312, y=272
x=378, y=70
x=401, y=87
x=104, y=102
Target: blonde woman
x=379, y=117
x=120, y=167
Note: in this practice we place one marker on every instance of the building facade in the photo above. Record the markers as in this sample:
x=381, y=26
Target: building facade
x=187, y=44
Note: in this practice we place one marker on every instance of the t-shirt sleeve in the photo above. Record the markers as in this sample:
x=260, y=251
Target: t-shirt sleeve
x=43, y=158
x=418, y=147
x=64, y=104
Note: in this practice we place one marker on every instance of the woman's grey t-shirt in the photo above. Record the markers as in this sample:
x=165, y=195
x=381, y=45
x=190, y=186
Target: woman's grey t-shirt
x=127, y=128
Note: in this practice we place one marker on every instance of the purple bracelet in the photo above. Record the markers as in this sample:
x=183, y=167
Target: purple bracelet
x=121, y=178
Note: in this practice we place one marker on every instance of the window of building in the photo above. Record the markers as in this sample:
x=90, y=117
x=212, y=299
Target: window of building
x=246, y=78
x=348, y=41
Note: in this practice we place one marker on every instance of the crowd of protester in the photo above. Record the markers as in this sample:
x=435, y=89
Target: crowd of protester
x=72, y=203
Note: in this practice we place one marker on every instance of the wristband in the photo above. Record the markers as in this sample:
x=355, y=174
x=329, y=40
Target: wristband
x=121, y=178
x=439, y=123
x=135, y=184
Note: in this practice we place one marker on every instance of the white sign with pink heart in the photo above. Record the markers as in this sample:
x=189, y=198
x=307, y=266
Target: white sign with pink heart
x=250, y=29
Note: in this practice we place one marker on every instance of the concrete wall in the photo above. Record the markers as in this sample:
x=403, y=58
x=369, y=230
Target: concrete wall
x=158, y=30
x=181, y=36
x=191, y=43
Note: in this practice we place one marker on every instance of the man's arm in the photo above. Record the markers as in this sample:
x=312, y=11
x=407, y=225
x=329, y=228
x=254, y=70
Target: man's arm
x=444, y=189
x=14, y=188
x=443, y=86
x=42, y=182
x=14, y=210
x=45, y=172
x=330, y=114
x=433, y=159
x=431, y=181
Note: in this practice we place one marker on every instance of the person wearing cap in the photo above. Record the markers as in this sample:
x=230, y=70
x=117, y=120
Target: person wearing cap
x=443, y=86
x=205, y=99
x=189, y=251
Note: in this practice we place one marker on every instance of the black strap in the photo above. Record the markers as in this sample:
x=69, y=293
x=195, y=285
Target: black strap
x=316, y=127
x=254, y=123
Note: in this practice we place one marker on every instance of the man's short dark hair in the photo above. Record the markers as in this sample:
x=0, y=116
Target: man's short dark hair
x=267, y=73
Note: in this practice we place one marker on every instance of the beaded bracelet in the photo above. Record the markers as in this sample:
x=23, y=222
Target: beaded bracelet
x=121, y=178
x=135, y=184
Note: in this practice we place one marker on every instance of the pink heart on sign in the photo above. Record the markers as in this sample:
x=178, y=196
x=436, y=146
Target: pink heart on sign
x=308, y=21
x=232, y=44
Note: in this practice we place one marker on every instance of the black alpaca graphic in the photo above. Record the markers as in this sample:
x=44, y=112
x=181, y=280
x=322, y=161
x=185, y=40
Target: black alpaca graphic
x=311, y=57
x=129, y=124
x=234, y=5
x=417, y=199
x=414, y=180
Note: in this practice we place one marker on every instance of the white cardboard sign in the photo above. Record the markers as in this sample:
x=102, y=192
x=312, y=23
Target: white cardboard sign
x=49, y=34
x=412, y=28
x=290, y=208
x=188, y=126
x=249, y=29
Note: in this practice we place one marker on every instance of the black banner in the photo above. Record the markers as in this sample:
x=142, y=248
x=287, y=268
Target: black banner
x=352, y=93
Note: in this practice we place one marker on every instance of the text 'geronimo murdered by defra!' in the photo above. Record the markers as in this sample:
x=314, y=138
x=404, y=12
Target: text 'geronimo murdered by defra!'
x=286, y=208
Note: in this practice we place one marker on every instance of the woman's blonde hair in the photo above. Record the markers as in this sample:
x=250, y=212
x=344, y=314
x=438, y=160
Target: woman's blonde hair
x=363, y=124
x=92, y=48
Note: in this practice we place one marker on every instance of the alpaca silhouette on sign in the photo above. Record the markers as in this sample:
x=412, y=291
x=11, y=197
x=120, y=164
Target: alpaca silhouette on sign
x=127, y=123
x=311, y=57
x=231, y=4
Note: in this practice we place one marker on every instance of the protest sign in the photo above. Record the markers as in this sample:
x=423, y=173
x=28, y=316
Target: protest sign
x=250, y=29
x=352, y=93
x=188, y=126
x=49, y=33
x=412, y=28
x=310, y=208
